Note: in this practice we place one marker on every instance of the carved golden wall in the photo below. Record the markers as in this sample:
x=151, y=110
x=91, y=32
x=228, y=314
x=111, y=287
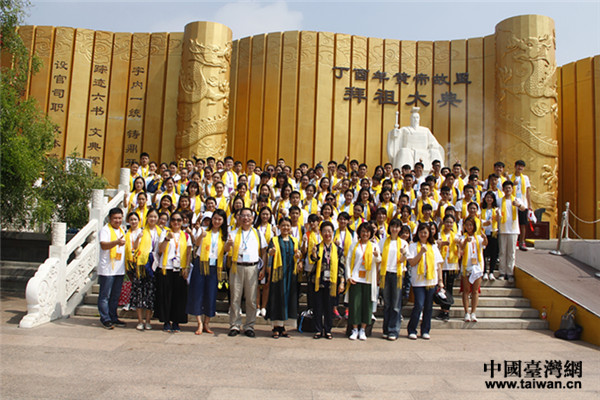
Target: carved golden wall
x=114, y=95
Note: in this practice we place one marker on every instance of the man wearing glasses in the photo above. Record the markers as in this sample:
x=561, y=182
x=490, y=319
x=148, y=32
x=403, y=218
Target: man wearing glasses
x=247, y=248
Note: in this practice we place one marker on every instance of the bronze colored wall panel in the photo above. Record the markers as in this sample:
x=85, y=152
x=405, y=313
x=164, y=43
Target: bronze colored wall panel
x=117, y=107
x=232, y=97
x=358, y=107
x=272, y=94
x=391, y=65
x=80, y=86
x=155, y=90
x=305, y=140
x=586, y=179
x=408, y=66
x=458, y=114
x=425, y=68
x=242, y=99
x=58, y=108
x=40, y=82
x=341, y=107
x=97, y=103
x=257, y=84
x=169, y=124
x=289, y=97
x=136, y=97
x=324, y=96
x=475, y=104
x=569, y=129
x=27, y=34
x=489, y=104
x=441, y=113
x=374, y=130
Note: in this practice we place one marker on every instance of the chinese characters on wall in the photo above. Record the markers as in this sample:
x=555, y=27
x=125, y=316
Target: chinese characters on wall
x=415, y=99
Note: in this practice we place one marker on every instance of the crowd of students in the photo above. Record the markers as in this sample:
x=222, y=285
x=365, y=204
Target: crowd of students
x=351, y=235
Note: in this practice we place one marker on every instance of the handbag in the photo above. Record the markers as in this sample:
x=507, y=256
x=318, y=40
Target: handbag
x=567, y=321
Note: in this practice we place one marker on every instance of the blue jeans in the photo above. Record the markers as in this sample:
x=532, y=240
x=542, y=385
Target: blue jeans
x=108, y=298
x=423, y=302
x=392, y=305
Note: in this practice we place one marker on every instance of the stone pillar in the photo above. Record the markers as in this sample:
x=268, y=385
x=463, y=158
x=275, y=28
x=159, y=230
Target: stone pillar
x=527, y=105
x=203, y=99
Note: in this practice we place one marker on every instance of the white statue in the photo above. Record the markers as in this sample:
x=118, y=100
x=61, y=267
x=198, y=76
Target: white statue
x=414, y=143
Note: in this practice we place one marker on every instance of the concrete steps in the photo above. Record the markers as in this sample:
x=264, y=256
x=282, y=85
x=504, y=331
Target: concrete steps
x=501, y=306
x=14, y=275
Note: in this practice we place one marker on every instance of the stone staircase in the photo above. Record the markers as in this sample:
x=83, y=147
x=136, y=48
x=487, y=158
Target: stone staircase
x=501, y=306
x=15, y=274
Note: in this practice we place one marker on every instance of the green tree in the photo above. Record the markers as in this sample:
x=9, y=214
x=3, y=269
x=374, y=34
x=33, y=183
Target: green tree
x=26, y=133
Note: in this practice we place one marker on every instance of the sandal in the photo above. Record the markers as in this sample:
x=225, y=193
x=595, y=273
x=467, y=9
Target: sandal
x=284, y=334
x=318, y=335
x=328, y=336
x=275, y=334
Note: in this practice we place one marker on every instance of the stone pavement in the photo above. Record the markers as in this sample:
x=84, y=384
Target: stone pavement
x=77, y=359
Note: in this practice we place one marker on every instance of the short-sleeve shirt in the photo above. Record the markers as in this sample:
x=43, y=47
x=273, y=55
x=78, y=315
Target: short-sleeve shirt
x=392, y=265
x=173, y=251
x=249, y=251
x=106, y=266
x=419, y=280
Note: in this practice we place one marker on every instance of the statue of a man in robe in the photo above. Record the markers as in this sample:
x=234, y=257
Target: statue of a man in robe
x=414, y=143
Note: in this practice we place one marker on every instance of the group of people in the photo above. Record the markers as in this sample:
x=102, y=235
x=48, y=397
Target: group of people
x=347, y=236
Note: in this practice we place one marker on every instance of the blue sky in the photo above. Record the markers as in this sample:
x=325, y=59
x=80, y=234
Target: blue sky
x=577, y=22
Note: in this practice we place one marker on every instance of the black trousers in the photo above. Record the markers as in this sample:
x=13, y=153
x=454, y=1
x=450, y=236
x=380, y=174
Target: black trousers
x=448, y=277
x=322, y=303
x=491, y=252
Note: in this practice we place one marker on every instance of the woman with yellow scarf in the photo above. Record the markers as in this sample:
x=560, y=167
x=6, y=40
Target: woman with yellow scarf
x=393, y=256
x=142, y=285
x=326, y=280
x=425, y=261
x=263, y=225
x=472, y=245
x=448, y=244
x=175, y=249
x=361, y=273
x=207, y=268
x=282, y=269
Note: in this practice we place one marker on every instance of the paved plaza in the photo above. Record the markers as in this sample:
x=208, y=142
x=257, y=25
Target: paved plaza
x=77, y=359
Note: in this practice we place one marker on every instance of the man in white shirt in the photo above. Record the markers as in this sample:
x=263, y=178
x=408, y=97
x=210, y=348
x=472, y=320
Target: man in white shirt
x=522, y=191
x=111, y=269
x=247, y=247
x=508, y=227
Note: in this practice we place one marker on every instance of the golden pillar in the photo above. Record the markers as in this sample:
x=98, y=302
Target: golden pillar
x=527, y=104
x=203, y=99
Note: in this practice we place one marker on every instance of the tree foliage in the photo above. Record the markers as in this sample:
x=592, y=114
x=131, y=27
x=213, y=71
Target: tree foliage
x=27, y=135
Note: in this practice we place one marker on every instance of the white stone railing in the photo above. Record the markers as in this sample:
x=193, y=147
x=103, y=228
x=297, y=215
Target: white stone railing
x=59, y=286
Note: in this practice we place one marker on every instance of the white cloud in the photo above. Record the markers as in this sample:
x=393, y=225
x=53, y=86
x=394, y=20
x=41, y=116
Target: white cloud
x=251, y=18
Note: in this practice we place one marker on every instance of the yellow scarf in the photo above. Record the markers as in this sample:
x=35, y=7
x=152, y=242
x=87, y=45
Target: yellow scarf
x=367, y=257
x=205, y=245
x=197, y=205
x=429, y=269
x=347, y=240
x=181, y=246
x=142, y=212
x=252, y=181
x=521, y=183
x=504, y=210
x=145, y=247
x=113, y=250
x=490, y=214
x=129, y=251
x=145, y=171
x=451, y=250
x=384, y=262
x=222, y=205
x=311, y=206
x=465, y=258
x=312, y=241
x=333, y=269
x=389, y=207
x=268, y=232
x=278, y=259
x=131, y=205
x=236, y=248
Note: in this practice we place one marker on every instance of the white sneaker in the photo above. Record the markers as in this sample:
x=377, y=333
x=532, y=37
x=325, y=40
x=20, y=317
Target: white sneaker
x=354, y=334
x=485, y=276
x=467, y=317
x=511, y=279
x=425, y=336
x=258, y=312
x=412, y=336
x=473, y=317
x=492, y=277
x=140, y=327
x=263, y=312
x=148, y=327
x=362, y=335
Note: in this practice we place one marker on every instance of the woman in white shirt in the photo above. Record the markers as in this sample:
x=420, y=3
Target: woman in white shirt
x=361, y=273
x=426, y=262
x=472, y=266
x=175, y=250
